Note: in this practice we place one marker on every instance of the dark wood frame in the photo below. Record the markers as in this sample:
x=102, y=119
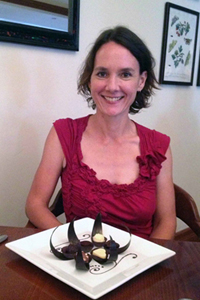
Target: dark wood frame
x=198, y=75
x=40, y=5
x=166, y=34
x=35, y=36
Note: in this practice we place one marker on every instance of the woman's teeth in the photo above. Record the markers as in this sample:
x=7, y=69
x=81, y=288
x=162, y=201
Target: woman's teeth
x=113, y=99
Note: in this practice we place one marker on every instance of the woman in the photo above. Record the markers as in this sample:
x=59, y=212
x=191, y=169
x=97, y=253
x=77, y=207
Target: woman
x=107, y=162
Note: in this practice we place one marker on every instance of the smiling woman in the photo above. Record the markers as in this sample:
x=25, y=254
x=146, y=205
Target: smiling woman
x=43, y=23
x=109, y=164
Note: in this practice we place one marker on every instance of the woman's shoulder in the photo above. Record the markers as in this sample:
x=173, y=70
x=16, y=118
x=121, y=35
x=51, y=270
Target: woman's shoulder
x=69, y=129
x=152, y=138
x=151, y=133
x=71, y=122
x=69, y=132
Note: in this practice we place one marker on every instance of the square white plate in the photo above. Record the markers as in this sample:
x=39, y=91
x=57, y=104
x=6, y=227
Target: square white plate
x=100, y=279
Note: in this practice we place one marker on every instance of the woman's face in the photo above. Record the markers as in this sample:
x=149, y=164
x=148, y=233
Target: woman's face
x=115, y=79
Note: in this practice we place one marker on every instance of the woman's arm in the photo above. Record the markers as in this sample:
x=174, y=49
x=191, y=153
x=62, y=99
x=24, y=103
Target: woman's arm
x=165, y=216
x=44, y=183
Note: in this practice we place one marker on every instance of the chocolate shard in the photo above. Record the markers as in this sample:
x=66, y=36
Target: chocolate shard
x=97, y=227
x=72, y=237
x=81, y=264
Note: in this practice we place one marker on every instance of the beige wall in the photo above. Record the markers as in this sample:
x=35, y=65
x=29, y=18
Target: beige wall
x=38, y=86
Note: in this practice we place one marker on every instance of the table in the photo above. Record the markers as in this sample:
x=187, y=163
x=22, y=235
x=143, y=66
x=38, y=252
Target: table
x=177, y=277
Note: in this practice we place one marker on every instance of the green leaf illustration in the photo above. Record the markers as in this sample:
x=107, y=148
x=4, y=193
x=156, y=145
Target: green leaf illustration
x=177, y=56
x=182, y=28
x=187, y=58
x=172, y=45
x=174, y=19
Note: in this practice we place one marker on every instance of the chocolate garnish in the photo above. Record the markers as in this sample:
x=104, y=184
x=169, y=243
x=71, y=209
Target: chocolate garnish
x=68, y=252
x=82, y=260
x=78, y=249
x=98, y=258
x=72, y=237
x=111, y=253
x=86, y=246
x=97, y=227
x=70, y=249
x=108, y=244
x=125, y=247
x=58, y=254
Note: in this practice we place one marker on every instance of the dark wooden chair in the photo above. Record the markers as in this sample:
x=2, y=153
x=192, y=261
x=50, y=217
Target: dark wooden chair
x=186, y=209
x=57, y=206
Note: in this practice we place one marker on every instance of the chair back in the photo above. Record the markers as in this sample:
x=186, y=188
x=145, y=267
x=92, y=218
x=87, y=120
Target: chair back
x=186, y=209
x=57, y=206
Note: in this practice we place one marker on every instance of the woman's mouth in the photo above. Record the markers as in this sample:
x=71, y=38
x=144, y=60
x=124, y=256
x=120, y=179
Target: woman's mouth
x=113, y=99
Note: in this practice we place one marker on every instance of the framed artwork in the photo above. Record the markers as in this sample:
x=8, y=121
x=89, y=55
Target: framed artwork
x=178, y=45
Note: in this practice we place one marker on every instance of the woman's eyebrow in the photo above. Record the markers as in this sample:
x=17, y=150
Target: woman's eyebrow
x=127, y=70
x=99, y=68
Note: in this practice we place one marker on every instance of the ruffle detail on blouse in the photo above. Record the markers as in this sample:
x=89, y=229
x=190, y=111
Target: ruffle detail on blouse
x=150, y=164
x=86, y=173
x=102, y=187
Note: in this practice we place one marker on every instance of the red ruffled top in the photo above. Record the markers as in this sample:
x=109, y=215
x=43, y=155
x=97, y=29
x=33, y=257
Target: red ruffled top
x=84, y=195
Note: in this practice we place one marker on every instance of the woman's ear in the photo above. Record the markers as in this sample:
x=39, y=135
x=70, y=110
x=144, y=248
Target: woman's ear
x=143, y=78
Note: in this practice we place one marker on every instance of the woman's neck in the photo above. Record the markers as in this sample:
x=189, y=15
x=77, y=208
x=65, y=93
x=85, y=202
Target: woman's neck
x=113, y=127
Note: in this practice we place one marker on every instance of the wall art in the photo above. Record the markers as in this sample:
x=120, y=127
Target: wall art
x=178, y=45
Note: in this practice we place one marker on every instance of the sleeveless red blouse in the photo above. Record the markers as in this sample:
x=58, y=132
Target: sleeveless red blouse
x=84, y=195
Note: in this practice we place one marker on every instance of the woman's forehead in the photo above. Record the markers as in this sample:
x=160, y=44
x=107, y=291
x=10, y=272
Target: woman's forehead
x=112, y=53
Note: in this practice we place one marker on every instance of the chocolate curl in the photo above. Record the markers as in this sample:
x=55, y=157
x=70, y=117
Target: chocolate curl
x=72, y=237
x=60, y=255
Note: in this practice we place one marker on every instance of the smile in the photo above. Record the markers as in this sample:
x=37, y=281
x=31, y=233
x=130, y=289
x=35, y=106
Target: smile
x=113, y=99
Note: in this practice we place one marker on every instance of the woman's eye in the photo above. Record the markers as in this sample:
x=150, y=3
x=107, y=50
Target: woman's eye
x=126, y=75
x=101, y=74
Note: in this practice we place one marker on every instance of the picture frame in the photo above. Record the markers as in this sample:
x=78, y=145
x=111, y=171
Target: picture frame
x=198, y=75
x=178, y=45
x=24, y=22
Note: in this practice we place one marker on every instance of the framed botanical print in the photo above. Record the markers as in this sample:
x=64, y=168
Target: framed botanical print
x=178, y=45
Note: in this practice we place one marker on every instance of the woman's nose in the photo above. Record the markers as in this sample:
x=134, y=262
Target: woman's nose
x=112, y=83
